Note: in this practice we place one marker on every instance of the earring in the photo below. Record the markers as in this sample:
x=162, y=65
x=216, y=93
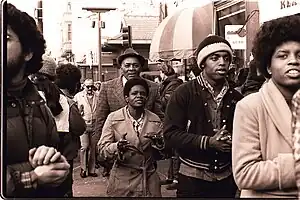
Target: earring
x=269, y=71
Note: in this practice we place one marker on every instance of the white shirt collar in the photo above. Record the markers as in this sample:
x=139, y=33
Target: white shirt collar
x=124, y=80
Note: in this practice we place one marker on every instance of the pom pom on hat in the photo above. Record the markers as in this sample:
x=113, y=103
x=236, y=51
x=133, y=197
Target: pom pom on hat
x=49, y=66
x=212, y=44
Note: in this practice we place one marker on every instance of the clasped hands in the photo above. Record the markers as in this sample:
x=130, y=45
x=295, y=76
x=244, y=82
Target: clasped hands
x=221, y=140
x=50, y=167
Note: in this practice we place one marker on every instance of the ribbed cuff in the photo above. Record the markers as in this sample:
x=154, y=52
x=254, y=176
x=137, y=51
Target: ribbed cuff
x=204, y=142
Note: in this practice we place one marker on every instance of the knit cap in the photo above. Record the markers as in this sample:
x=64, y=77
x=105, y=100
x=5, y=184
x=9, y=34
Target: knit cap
x=212, y=44
x=49, y=66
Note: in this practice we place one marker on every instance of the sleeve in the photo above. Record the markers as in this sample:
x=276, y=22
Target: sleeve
x=107, y=144
x=158, y=105
x=18, y=178
x=176, y=124
x=169, y=91
x=102, y=109
x=249, y=169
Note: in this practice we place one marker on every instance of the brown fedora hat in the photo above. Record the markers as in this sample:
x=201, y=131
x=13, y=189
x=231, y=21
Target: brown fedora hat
x=130, y=52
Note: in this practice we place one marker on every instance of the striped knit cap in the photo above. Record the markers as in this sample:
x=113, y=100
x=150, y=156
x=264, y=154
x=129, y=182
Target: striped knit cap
x=212, y=44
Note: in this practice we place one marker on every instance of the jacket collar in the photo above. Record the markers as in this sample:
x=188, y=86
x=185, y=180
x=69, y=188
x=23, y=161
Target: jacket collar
x=277, y=109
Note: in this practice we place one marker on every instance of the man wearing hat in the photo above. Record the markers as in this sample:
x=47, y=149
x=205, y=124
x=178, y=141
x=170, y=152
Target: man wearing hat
x=87, y=104
x=198, y=123
x=111, y=96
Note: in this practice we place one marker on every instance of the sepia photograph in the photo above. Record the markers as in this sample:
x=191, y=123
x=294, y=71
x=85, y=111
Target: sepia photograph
x=150, y=98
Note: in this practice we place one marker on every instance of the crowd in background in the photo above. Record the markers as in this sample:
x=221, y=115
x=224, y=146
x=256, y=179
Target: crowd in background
x=225, y=135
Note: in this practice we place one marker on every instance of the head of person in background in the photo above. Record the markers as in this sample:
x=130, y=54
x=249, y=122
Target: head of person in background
x=68, y=79
x=44, y=81
x=89, y=86
x=97, y=85
x=214, y=55
x=25, y=47
x=131, y=63
x=166, y=71
x=276, y=50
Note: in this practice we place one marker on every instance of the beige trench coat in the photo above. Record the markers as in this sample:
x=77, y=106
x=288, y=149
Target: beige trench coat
x=126, y=177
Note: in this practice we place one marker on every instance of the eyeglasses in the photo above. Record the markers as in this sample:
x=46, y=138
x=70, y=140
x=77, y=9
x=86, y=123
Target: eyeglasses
x=89, y=86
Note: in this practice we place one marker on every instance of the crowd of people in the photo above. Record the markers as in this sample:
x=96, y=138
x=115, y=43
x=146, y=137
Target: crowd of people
x=223, y=139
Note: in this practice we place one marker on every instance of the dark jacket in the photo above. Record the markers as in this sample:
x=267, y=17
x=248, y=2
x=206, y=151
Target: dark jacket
x=168, y=86
x=29, y=124
x=187, y=120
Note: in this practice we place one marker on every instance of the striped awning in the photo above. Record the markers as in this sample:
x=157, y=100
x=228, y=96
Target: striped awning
x=178, y=35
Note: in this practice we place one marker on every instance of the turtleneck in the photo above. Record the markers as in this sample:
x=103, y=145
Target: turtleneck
x=16, y=89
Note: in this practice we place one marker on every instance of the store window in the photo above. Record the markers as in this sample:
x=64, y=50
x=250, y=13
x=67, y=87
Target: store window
x=232, y=13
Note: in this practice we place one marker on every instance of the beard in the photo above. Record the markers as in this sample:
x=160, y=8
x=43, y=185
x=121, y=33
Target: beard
x=14, y=67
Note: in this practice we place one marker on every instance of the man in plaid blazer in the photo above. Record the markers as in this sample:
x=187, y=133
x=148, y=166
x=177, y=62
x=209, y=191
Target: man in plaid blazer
x=111, y=96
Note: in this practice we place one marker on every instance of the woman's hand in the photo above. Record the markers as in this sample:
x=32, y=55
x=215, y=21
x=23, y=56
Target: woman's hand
x=157, y=140
x=123, y=144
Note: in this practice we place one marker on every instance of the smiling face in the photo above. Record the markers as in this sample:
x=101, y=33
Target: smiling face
x=137, y=97
x=216, y=65
x=130, y=67
x=285, y=65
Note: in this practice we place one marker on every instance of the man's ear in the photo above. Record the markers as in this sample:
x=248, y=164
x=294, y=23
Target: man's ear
x=28, y=56
x=126, y=98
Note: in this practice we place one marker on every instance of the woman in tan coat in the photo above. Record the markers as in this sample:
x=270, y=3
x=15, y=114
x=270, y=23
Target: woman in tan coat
x=132, y=136
x=262, y=152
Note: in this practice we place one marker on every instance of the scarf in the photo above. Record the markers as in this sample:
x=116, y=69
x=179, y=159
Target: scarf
x=277, y=109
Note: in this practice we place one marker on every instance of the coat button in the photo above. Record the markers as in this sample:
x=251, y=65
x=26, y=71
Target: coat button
x=216, y=161
x=13, y=105
x=230, y=92
x=32, y=102
x=227, y=106
x=215, y=167
x=205, y=104
x=216, y=153
x=224, y=120
x=208, y=121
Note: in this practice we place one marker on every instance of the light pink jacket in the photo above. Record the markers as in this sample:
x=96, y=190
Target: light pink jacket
x=262, y=151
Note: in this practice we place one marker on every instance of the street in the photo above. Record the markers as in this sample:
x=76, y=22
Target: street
x=96, y=186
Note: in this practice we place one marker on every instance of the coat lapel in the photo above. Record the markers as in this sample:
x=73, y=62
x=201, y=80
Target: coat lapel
x=278, y=110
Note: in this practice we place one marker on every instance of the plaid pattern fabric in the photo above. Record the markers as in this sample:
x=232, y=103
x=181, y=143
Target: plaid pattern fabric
x=218, y=98
x=296, y=135
x=26, y=180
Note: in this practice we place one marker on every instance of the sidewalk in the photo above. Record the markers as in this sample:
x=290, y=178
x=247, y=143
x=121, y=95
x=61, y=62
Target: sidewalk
x=96, y=186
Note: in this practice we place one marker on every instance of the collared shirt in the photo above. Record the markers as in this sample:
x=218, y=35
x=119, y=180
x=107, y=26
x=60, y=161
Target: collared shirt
x=137, y=124
x=124, y=80
x=215, y=103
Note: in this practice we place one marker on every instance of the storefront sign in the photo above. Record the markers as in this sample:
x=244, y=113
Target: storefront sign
x=274, y=9
x=235, y=36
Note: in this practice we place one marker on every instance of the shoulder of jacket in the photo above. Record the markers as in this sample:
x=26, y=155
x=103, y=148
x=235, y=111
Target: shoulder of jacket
x=252, y=101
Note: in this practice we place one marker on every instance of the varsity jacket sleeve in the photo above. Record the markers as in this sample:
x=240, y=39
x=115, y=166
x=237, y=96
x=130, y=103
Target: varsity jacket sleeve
x=176, y=124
